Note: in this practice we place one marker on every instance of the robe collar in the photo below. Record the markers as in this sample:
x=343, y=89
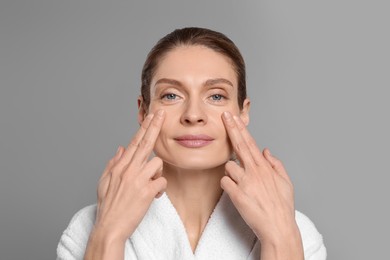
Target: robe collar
x=162, y=235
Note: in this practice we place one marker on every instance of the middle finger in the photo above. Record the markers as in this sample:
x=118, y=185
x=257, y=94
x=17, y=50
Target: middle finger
x=239, y=145
x=250, y=141
x=146, y=145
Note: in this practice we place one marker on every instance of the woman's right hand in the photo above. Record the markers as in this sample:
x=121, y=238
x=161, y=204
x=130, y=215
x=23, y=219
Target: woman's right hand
x=130, y=182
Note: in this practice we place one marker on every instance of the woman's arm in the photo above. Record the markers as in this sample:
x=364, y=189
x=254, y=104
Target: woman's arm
x=262, y=192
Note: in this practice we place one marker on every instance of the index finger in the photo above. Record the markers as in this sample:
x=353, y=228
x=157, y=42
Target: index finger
x=146, y=145
x=238, y=142
x=133, y=144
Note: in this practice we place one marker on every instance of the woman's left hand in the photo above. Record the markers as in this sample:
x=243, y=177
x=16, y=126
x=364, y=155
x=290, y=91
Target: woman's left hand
x=262, y=192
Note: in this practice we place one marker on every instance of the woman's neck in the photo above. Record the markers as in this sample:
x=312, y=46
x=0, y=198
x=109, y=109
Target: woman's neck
x=194, y=194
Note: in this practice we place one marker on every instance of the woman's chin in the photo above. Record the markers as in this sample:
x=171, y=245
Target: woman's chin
x=195, y=164
x=193, y=159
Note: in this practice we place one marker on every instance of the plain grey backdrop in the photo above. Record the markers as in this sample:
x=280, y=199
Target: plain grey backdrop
x=318, y=77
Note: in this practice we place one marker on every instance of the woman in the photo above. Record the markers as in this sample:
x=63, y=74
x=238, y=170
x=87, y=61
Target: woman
x=209, y=192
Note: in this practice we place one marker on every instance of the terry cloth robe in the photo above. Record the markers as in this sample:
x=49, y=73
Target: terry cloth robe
x=161, y=235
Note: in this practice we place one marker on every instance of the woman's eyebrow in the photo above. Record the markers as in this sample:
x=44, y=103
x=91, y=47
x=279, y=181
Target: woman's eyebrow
x=211, y=82
x=168, y=81
x=208, y=82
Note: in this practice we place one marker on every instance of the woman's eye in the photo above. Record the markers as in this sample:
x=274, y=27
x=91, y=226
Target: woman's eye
x=169, y=96
x=217, y=97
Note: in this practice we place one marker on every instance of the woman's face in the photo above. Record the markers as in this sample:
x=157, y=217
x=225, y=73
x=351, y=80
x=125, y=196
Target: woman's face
x=194, y=85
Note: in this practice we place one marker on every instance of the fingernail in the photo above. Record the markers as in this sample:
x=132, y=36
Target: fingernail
x=149, y=116
x=237, y=119
x=160, y=112
x=117, y=151
x=239, y=122
x=227, y=115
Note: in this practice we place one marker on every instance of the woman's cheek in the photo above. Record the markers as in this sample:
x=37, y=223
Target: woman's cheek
x=162, y=138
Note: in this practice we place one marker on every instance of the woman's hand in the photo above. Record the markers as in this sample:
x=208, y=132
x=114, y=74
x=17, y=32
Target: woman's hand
x=129, y=184
x=262, y=192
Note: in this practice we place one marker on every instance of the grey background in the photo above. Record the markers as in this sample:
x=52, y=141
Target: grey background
x=318, y=78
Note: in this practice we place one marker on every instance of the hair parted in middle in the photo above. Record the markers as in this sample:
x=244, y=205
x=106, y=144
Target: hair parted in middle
x=193, y=36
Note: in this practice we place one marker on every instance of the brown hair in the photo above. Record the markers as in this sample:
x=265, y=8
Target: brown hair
x=193, y=36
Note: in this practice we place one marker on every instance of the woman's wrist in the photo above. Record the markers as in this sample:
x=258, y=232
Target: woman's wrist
x=283, y=246
x=104, y=245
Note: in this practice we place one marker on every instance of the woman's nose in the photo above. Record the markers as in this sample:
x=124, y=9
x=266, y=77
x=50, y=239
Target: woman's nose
x=193, y=114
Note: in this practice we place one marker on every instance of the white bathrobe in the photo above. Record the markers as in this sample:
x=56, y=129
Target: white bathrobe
x=162, y=235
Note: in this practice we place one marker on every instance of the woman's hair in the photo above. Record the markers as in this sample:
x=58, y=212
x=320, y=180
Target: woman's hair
x=188, y=37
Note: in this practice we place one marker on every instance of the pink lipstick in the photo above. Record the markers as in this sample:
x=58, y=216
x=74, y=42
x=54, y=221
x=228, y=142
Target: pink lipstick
x=194, y=141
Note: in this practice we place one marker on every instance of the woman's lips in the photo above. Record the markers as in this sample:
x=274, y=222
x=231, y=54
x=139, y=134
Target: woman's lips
x=194, y=141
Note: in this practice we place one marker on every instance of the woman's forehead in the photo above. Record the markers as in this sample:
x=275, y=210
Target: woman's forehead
x=195, y=65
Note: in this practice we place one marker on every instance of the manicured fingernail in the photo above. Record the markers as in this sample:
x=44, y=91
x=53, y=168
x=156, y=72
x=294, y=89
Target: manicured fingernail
x=117, y=151
x=149, y=116
x=227, y=115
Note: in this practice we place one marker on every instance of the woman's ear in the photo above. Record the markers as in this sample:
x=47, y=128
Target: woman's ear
x=142, y=113
x=244, y=114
